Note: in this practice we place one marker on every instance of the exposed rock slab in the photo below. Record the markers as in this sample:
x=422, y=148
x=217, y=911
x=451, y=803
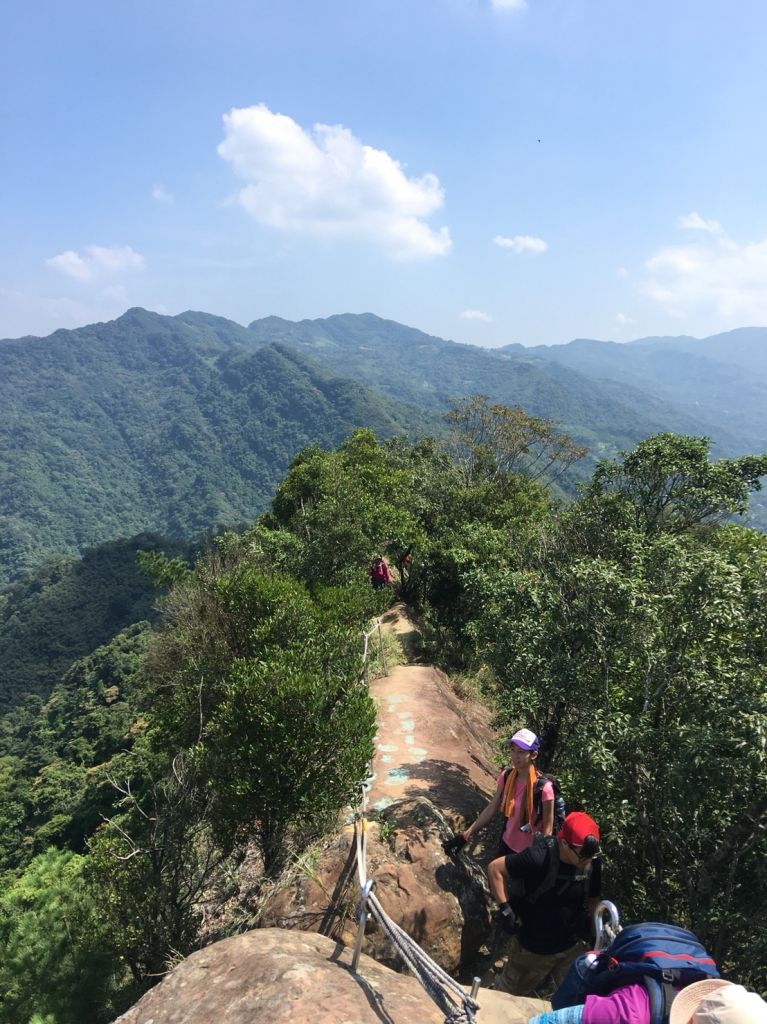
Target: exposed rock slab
x=274, y=977
x=443, y=906
x=432, y=773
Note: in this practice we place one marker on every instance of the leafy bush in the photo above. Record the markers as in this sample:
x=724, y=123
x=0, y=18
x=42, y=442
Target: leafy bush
x=56, y=957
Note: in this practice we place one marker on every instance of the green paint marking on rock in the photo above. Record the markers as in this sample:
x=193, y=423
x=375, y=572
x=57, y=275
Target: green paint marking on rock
x=397, y=775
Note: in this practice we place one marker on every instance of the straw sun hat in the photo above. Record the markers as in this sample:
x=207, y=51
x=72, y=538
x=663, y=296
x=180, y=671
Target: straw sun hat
x=715, y=1001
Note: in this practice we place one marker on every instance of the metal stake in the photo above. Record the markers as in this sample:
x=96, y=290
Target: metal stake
x=381, y=649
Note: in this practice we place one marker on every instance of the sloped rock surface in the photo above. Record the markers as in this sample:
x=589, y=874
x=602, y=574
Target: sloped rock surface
x=432, y=773
x=443, y=906
x=271, y=976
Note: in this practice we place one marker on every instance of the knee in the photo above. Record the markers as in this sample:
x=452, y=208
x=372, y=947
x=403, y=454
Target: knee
x=495, y=876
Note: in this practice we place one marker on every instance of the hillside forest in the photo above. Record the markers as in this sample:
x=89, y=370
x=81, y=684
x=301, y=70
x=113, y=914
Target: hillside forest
x=176, y=425
x=627, y=627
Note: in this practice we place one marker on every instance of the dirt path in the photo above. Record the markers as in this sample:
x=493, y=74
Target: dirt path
x=429, y=742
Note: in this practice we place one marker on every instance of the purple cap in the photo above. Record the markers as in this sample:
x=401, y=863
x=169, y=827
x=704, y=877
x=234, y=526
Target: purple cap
x=526, y=739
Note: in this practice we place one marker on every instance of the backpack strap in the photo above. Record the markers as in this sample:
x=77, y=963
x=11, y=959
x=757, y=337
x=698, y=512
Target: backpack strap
x=661, y=995
x=552, y=869
x=540, y=782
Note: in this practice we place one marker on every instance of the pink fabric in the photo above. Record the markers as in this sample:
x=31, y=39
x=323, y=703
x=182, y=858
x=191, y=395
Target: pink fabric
x=627, y=1005
x=380, y=571
x=514, y=839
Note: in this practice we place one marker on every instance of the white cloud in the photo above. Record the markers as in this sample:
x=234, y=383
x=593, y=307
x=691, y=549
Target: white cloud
x=723, y=279
x=694, y=222
x=521, y=243
x=34, y=313
x=624, y=320
x=161, y=195
x=476, y=314
x=97, y=263
x=327, y=183
x=509, y=5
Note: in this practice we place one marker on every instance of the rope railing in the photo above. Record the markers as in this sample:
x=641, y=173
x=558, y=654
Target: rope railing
x=458, y=1006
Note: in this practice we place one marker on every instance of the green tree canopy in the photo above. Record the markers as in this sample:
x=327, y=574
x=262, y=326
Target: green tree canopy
x=671, y=484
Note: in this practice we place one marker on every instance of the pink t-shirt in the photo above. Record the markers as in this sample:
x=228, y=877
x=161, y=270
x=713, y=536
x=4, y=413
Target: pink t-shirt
x=627, y=1005
x=515, y=839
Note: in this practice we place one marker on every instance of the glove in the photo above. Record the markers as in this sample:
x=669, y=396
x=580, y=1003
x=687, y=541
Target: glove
x=453, y=847
x=507, y=919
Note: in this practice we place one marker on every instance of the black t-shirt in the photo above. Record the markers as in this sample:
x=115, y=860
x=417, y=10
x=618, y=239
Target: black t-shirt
x=557, y=918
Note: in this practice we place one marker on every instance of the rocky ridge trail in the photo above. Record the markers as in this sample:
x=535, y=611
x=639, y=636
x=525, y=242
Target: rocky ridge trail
x=432, y=772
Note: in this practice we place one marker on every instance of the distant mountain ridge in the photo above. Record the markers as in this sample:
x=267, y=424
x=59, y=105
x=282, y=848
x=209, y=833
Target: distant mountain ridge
x=419, y=367
x=720, y=380
x=178, y=424
x=153, y=423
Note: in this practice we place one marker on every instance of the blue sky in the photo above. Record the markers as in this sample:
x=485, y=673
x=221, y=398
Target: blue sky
x=486, y=170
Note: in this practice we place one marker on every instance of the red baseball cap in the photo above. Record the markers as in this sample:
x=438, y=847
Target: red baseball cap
x=577, y=826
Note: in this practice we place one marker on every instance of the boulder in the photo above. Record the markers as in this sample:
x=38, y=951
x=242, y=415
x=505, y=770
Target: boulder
x=271, y=976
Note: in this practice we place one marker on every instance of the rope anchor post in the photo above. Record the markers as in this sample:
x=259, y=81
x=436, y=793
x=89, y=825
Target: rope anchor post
x=362, y=917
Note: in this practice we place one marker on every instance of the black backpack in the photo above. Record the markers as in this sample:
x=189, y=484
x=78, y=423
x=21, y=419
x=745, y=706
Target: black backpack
x=560, y=809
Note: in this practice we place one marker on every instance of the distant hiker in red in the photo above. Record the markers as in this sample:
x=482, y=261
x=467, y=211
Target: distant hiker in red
x=380, y=573
x=405, y=563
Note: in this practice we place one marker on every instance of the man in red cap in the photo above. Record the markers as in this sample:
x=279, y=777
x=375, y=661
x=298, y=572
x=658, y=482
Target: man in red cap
x=562, y=882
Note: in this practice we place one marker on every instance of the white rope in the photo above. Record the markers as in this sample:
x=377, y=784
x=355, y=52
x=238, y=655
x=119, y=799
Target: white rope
x=433, y=978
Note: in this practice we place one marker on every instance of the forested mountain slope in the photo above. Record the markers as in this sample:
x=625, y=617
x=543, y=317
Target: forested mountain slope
x=416, y=367
x=69, y=607
x=156, y=423
x=179, y=424
x=721, y=380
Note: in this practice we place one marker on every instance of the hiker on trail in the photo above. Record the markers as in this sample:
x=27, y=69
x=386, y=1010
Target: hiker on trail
x=405, y=562
x=380, y=573
x=562, y=881
x=522, y=794
x=636, y=979
x=713, y=1001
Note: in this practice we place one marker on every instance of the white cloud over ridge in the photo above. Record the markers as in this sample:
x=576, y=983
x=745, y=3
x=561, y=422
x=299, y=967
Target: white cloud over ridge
x=521, y=243
x=716, y=276
x=97, y=262
x=476, y=314
x=328, y=184
x=509, y=5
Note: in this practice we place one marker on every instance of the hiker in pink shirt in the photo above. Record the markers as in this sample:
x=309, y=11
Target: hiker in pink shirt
x=515, y=797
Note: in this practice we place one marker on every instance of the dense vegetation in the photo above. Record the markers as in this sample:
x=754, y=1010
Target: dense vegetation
x=605, y=396
x=152, y=423
x=628, y=628
x=179, y=424
x=68, y=608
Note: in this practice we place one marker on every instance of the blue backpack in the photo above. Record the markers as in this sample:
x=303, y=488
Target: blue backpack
x=662, y=957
